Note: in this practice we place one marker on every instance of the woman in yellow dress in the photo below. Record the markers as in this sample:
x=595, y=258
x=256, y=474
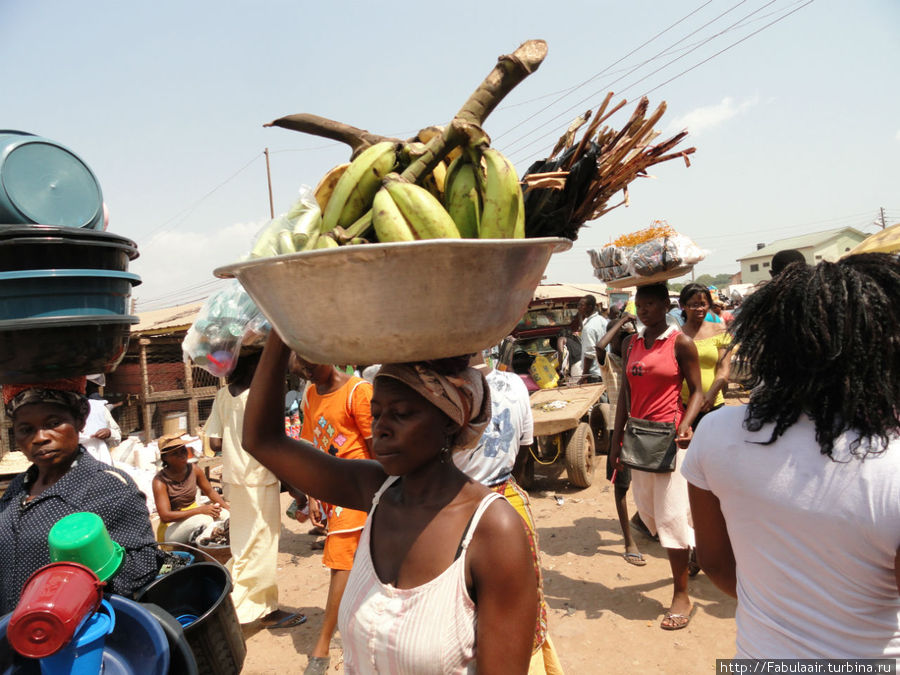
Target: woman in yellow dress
x=713, y=347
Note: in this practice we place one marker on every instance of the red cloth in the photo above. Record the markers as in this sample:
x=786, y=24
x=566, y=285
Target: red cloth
x=655, y=379
x=74, y=384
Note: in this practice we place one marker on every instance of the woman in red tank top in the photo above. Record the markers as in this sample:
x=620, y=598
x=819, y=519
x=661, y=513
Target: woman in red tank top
x=657, y=361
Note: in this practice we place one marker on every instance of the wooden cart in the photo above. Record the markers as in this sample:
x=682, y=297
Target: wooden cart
x=562, y=428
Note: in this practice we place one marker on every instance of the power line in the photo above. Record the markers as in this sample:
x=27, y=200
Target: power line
x=656, y=56
x=193, y=289
x=189, y=209
x=736, y=25
x=593, y=77
x=722, y=51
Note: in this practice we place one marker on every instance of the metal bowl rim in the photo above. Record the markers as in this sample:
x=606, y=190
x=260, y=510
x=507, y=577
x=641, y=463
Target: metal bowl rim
x=560, y=244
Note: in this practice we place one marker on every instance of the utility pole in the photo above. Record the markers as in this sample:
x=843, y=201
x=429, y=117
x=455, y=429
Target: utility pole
x=269, y=178
x=883, y=223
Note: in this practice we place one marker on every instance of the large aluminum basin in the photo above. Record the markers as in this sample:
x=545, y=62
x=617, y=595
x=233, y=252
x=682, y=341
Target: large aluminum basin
x=391, y=303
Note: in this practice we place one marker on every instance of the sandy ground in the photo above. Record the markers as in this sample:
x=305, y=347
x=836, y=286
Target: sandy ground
x=604, y=613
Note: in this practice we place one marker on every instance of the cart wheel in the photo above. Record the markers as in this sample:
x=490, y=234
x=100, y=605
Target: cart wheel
x=601, y=425
x=524, y=470
x=580, y=456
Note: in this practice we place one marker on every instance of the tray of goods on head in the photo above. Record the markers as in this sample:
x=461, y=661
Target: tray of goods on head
x=649, y=256
x=426, y=247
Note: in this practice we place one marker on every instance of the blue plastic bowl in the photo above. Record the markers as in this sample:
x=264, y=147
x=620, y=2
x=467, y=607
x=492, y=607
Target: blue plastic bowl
x=44, y=349
x=41, y=247
x=44, y=182
x=34, y=294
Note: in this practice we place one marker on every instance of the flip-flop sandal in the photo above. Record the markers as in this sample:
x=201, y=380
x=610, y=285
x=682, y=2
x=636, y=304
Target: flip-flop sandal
x=636, y=559
x=289, y=621
x=677, y=621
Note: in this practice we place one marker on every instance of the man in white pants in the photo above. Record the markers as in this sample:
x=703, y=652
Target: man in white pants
x=254, y=495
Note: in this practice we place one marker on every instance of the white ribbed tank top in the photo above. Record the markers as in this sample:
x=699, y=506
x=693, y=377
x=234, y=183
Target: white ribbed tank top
x=414, y=631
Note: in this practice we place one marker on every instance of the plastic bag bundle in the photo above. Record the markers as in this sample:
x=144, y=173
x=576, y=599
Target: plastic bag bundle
x=662, y=255
x=228, y=320
x=611, y=262
x=289, y=232
x=653, y=250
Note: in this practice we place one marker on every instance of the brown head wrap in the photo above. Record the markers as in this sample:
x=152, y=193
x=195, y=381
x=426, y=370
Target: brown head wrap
x=68, y=393
x=464, y=398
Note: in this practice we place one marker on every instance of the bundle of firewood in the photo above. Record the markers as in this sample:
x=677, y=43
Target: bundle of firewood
x=577, y=181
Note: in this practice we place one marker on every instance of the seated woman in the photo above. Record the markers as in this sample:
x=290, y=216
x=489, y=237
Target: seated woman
x=175, y=493
x=64, y=479
x=443, y=579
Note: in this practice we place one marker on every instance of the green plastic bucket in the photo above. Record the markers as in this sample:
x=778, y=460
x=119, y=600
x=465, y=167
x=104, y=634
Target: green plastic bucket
x=82, y=537
x=43, y=182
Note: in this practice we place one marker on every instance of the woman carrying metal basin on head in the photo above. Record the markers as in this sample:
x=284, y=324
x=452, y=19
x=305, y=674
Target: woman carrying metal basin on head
x=62, y=480
x=438, y=550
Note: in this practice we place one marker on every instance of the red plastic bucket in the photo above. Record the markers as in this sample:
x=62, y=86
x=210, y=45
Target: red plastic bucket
x=55, y=601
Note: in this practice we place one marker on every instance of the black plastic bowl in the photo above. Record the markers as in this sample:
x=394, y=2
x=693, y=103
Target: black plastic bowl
x=35, y=247
x=40, y=350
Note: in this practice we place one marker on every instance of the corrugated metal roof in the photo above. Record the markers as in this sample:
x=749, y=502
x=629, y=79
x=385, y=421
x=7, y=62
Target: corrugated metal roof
x=551, y=291
x=802, y=241
x=168, y=320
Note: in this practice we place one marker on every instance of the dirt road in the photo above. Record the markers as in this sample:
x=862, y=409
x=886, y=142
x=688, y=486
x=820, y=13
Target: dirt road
x=604, y=613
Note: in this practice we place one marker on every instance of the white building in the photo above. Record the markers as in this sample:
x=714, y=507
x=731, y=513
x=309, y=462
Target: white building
x=828, y=245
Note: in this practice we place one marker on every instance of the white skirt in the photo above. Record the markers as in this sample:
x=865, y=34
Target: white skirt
x=662, y=502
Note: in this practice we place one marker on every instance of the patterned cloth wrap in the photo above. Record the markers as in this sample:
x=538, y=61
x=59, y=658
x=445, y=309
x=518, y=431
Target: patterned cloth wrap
x=68, y=393
x=465, y=398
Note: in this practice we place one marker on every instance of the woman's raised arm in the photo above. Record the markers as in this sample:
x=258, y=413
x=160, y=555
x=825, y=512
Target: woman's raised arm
x=343, y=482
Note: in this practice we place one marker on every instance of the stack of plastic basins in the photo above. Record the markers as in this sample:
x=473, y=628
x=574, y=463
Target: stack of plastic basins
x=65, y=289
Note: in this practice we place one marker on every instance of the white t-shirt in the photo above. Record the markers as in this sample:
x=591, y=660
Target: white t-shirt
x=814, y=539
x=227, y=422
x=99, y=418
x=512, y=425
x=593, y=329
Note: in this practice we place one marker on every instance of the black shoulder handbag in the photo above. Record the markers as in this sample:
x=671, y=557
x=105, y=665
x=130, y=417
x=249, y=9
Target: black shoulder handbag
x=647, y=445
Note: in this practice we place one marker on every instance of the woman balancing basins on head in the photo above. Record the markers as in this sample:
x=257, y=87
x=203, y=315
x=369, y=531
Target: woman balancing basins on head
x=65, y=479
x=657, y=361
x=438, y=550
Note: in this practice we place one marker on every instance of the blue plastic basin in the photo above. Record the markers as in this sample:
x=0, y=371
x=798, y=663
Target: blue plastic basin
x=44, y=349
x=33, y=294
x=44, y=182
x=137, y=646
x=42, y=247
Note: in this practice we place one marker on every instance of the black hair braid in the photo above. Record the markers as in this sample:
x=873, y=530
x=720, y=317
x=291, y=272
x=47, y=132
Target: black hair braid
x=825, y=341
x=449, y=366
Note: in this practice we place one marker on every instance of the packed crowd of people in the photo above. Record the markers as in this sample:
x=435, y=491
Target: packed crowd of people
x=790, y=503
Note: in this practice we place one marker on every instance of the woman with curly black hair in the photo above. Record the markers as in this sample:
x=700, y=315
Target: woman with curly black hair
x=796, y=496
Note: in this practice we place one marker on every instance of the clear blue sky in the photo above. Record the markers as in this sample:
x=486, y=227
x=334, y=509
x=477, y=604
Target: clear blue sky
x=796, y=128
